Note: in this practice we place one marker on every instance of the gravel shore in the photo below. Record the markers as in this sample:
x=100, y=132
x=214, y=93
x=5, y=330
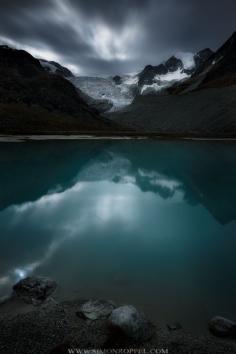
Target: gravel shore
x=56, y=327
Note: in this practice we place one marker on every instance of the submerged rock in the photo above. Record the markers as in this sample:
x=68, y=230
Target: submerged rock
x=222, y=327
x=175, y=326
x=132, y=323
x=34, y=290
x=94, y=310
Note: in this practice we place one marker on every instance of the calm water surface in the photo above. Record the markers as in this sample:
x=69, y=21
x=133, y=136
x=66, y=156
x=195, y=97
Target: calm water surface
x=142, y=222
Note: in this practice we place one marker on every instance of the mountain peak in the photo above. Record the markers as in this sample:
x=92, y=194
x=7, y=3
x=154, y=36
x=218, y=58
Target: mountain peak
x=174, y=64
x=148, y=67
x=20, y=60
x=117, y=79
x=147, y=76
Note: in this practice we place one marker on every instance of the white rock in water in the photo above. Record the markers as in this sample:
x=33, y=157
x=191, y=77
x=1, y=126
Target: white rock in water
x=94, y=310
x=222, y=327
x=132, y=323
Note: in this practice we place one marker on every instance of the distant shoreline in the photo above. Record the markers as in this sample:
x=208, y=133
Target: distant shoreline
x=104, y=136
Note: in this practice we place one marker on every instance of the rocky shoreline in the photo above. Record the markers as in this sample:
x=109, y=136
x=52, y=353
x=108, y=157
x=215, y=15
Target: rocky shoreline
x=32, y=322
x=135, y=135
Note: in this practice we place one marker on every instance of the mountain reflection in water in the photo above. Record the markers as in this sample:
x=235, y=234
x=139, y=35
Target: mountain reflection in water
x=151, y=217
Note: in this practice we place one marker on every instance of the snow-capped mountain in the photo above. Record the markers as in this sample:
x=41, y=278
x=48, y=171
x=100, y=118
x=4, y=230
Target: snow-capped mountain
x=114, y=93
x=120, y=91
x=197, y=96
x=176, y=69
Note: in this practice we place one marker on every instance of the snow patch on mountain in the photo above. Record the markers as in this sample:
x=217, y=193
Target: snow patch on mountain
x=164, y=81
x=129, y=80
x=172, y=76
x=48, y=66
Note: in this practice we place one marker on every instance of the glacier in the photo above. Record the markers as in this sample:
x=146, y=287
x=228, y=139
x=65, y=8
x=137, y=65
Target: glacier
x=120, y=95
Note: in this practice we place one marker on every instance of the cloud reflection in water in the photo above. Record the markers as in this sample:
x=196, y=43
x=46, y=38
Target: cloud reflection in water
x=113, y=196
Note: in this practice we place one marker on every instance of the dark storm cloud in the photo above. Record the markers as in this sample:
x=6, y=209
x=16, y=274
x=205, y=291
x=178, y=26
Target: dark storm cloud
x=106, y=36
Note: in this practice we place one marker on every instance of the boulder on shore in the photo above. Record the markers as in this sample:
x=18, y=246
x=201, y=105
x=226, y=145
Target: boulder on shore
x=132, y=323
x=222, y=327
x=34, y=290
x=94, y=310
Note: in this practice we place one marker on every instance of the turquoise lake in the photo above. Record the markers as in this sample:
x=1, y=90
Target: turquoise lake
x=142, y=222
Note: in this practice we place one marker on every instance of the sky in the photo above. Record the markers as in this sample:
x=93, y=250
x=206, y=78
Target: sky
x=108, y=37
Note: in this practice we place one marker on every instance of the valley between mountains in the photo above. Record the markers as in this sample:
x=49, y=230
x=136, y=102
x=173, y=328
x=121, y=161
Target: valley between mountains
x=185, y=96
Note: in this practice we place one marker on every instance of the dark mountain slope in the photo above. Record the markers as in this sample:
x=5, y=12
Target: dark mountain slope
x=33, y=100
x=204, y=113
x=221, y=67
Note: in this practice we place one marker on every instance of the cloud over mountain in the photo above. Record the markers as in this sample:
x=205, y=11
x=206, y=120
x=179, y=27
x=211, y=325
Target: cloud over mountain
x=107, y=37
